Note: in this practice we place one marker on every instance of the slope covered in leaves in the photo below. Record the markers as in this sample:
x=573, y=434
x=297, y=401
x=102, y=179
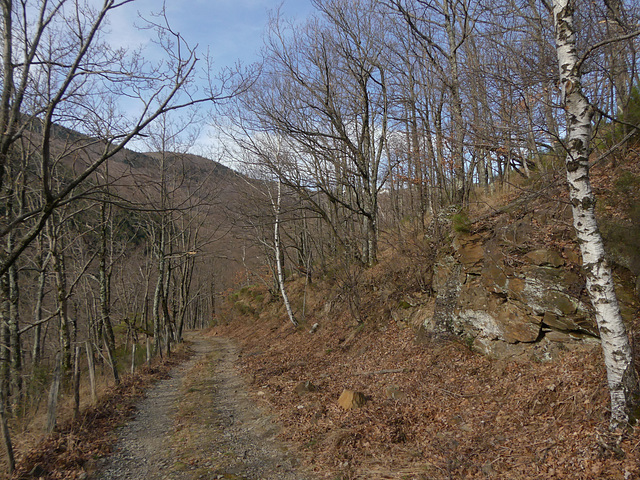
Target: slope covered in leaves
x=437, y=409
x=457, y=413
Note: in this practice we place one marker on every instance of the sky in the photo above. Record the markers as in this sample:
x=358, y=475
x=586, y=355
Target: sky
x=232, y=30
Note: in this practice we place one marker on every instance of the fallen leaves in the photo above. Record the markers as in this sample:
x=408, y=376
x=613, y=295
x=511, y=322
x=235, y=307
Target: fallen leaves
x=70, y=452
x=465, y=415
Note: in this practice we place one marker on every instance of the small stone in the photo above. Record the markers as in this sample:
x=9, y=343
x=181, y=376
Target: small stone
x=545, y=257
x=561, y=337
x=350, y=399
x=488, y=470
x=305, y=387
x=394, y=393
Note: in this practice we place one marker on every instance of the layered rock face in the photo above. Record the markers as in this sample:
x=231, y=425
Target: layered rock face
x=509, y=302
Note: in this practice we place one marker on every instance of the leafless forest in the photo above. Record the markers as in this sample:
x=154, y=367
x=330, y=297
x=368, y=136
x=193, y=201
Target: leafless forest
x=369, y=117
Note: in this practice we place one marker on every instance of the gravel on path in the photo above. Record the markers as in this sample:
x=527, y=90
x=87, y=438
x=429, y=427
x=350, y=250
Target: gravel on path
x=241, y=440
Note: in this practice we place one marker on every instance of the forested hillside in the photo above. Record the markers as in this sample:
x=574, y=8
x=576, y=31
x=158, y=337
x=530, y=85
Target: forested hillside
x=461, y=170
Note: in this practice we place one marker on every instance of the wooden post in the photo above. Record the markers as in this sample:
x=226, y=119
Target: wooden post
x=53, y=396
x=92, y=372
x=76, y=384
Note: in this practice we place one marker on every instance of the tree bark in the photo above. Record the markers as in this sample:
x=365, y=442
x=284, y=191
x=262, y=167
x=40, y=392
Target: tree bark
x=105, y=292
x=133, y=358
x=460, y=188
x=57, y=256
x=36, y=350
x=277, y=248
x=92, y=371
x=15, y=346
x=112, y=364
x=104, y=278
x=621, y=375
x=53, y=396
x=76, y=384
x=6, y=436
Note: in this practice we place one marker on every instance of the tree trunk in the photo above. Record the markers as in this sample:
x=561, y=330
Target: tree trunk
x=105, y=289
x=112, y=364
x=5, y=360
x=92, y=371
x=621, y=375
x=618, y=60
x=104, y=278
x=53, y=396
x=76, y=384
x=57, y=256
x=6, y=436
x=133, y=358
x=15, y=347
x=460, y=193
x=277, y=248
x=36, y=350
x=157, y=317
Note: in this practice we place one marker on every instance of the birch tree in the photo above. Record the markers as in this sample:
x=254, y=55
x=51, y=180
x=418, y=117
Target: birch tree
x=621, y=375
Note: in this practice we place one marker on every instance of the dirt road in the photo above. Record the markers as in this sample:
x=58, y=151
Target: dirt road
x=200, y=423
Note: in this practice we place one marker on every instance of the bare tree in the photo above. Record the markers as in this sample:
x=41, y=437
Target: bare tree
x=59, y=101
x=443, y=28
x=324, y=89
x=622, y=377
x=57, y=69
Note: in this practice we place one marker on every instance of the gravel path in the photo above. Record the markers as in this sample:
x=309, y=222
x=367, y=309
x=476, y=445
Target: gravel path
x=238, y=441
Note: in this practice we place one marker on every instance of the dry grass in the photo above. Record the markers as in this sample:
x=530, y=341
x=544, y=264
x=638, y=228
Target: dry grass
x=194, y=440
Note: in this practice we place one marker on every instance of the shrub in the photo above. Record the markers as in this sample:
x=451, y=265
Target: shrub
x=460, y=222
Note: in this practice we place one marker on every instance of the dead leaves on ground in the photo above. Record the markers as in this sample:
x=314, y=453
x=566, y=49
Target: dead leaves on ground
x=461, y=414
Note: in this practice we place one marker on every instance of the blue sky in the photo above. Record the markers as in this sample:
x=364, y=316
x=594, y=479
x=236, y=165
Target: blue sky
x=231, y=29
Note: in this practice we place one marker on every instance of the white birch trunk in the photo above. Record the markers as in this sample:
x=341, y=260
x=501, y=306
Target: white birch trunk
x=133, y=358
x=277, y=248
x=621, y=375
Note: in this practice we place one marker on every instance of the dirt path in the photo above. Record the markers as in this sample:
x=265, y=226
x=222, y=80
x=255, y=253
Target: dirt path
x=200, y=423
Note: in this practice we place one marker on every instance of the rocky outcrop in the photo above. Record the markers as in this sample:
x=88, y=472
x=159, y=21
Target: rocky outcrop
x=506, y=298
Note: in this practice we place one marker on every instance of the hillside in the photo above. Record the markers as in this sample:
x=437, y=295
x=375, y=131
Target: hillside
x=469, y=350
x=142, y=230
x=515, y=390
